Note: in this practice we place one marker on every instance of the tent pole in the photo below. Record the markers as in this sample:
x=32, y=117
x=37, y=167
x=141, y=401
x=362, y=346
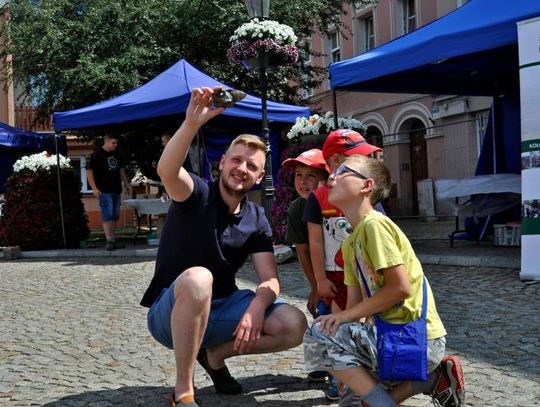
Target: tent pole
x=56, y=136
x=493, y=141
x=334, y=101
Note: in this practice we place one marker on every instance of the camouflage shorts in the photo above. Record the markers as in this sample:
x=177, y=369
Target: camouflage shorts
x=355, y=344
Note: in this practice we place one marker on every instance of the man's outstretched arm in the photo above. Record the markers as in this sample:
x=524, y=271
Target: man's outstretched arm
x=177, y=181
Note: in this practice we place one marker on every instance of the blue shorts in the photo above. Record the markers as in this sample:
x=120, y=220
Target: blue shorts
x=225, y=313
x=110, y=207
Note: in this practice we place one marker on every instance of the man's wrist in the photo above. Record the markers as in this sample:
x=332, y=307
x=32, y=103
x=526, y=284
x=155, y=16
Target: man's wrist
x=259, y=303
x=189, y=126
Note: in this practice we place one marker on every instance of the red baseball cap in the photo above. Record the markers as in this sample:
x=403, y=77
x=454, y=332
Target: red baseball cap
x=311, y=158
x=347, y=142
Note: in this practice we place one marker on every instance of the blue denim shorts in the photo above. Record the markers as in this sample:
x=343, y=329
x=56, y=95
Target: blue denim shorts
x=110, y=207
x=225, y=313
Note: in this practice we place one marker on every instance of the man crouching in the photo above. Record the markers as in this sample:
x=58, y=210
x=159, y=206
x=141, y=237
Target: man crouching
x=196, y=309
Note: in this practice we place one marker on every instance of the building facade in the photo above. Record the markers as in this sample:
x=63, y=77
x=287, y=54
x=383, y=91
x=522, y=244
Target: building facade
x=425, y=137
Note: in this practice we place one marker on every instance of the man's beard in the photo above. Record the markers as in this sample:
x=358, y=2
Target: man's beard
x=235, y=193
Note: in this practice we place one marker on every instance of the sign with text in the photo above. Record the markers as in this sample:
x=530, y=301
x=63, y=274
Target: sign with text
x=529, y=79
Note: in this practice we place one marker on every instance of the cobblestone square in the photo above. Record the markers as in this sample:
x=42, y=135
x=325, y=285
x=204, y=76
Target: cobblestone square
x=72, y=333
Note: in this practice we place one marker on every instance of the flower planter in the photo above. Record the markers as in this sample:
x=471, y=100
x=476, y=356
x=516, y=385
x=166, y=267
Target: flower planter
x=265, y=60
x=263, y=45
x=312, y=138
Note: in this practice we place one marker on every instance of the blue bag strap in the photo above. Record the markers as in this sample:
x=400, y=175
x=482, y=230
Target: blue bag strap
x=424, y=289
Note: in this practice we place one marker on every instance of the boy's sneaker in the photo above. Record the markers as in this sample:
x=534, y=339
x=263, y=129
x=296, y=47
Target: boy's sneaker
x=332, y=392
x=317, y=376
x=449, y=389
x=110, y=245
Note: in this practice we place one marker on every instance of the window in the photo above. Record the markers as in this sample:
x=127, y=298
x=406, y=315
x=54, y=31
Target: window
x=365, y=33
x=369, y=30
x=481, y=124
x=306, y=93
x=409, y=15
x=374, y=136
x=335, y=52
x=79, y=165
x=405, y=17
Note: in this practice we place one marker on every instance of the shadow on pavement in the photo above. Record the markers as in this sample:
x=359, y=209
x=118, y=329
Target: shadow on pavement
x=264, y=390
x=90, y=261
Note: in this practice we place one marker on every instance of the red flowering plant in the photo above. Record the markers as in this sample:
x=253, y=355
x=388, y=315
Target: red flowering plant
x=31, y=212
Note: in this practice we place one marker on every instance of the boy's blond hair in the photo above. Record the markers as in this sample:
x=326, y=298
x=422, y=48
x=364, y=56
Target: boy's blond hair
x=248, y=140
x=376, y=170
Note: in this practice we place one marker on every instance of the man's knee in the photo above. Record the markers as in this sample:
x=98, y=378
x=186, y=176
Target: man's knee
x=194, y=283
x=290, y=324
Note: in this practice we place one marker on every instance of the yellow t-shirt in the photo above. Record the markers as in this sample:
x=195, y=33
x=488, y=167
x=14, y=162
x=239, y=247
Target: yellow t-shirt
x=378, y=243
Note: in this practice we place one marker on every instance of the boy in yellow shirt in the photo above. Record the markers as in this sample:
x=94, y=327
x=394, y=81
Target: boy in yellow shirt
x=380, y=254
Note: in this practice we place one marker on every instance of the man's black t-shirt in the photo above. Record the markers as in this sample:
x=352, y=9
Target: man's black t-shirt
x=201, y=232
x=106, y=166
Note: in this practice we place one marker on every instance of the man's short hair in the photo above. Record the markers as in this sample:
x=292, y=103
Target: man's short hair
x=248, y=140
x=376, y=170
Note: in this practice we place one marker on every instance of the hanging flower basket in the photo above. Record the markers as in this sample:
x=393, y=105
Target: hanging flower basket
x=265, y=43
x=315, y=127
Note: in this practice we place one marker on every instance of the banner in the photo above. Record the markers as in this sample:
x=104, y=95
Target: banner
x=529, y=79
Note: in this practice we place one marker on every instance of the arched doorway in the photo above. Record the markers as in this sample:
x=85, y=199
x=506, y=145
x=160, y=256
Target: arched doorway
x=374, y=136
x=418, y=155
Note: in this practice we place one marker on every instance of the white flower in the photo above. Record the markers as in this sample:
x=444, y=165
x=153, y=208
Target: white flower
x=316, y=124
x=40, y=161
x=281, y=33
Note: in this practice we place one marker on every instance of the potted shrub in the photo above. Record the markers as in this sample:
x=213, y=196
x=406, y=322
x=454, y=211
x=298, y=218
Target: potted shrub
x=31, y=212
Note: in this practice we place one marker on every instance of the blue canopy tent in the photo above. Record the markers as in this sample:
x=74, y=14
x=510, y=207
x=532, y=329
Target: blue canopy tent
x=471, y=51
x=168, y=95
x=14, y=143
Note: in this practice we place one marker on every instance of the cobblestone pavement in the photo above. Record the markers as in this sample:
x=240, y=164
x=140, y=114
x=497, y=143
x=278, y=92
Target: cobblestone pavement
x=72, y=334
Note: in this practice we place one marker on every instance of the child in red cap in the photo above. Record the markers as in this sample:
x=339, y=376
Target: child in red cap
x=326, y=224
x=310, y=172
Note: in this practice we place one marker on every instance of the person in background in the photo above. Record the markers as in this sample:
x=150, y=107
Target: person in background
x=384, y=277
x=310, y=172
x=106, y=176
x=165, y=138
x=196, y=308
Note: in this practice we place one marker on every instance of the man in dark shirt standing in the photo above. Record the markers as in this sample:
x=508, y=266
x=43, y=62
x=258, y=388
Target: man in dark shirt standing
x=105, y=174
x=196, y=309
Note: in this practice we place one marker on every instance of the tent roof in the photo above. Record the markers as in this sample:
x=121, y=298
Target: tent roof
x=470, y=51
x=17, y=138
x=166, y=94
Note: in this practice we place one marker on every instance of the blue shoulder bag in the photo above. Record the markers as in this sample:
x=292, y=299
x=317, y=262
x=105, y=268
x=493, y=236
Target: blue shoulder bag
x=401, y=348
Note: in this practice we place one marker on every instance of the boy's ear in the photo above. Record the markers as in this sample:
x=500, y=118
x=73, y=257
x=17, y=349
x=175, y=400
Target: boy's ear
x=368, y=185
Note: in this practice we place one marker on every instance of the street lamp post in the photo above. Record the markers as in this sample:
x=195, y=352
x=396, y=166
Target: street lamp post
x=260, y=9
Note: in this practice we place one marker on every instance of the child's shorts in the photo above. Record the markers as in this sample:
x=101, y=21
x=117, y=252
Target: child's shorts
x=355, y=344
x=340, y=299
